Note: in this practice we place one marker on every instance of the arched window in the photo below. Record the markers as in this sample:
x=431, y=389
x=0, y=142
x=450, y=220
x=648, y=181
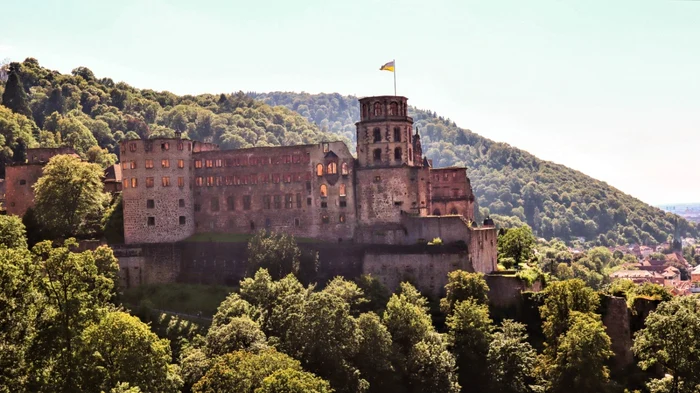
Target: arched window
x=319, y=170
x=393, y=109
x=341, y=189
x=436, y=212
x=344, y=169
x=377, y=109
x=397, y=134
x=332, y=168
x=397, y=154
x=377, y=154
x=364, y=111
x=377, y=135
x=453, y=211
x=324, y=191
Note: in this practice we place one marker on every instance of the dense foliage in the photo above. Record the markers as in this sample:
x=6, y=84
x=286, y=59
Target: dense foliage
x=511, y=185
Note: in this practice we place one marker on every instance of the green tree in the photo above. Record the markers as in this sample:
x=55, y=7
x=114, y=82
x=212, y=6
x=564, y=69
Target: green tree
x=579, y=365
x=243, y=372
x=461, y=286
x=669, y=339
x=293, y=381
x=374, y=354
x=69, y=196
x=517, y=243
x=121, y=348
x=375, y=292
x=239, y=333
x=470, y=333
x=14, y=97
x=562, y=298
x=276, y=252
x=510, y=360
x=12, y=232
x=349, y=292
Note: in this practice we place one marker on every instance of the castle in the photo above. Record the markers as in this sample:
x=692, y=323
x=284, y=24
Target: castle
x=389, y=195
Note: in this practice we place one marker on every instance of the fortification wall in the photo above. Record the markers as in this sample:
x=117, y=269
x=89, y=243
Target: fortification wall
x=384, y=193
x=506, y=291
x=451, y=192
x=141, y=264
x=449, y=229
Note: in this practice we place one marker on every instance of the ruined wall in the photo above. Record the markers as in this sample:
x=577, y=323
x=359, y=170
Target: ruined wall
x=451, y=192
x=506, y=291
x=306, y=191
x=448, y=228
x=384, y=193
x=141, y=264
x=616, y=318
x=157, y=190
x=483, y=249
x=427, y=271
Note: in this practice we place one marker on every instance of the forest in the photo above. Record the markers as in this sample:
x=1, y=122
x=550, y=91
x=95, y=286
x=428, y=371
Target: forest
x=41, y=107
x=65, y=326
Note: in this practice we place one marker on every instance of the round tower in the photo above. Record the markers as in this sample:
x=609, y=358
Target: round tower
x=384, y=133
x=157, y=190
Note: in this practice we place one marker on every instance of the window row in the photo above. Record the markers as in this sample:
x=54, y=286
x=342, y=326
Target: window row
x=253, y=161
x=394, y=109
x=149, y=164
x=151, y=221
x=342, y=191
x=398, y=154
x=332, y=168
x=445, y=175
x=150, y=182
x=377, y=135
x=164, y=146
x=230, y=204
x=151, y=203
x=236, y=180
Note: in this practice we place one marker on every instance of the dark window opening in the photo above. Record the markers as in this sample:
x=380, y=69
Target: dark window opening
x=268, y=223
x=377, y=154
x=22, y=182
x=308, y=186
x=252, y=226
x=246, y=202
x=151, y=221
x=150, y=203
x=325, y=219
x=278, y=201
x=197, y=207
x=436, y=212
x=181, y=202
x=230, y=204
x=398, y=203
x=324, y=204
x=343, y=203
x=377, y=135
x=267, y=202
x=397, y=154
x=308, y=201
x=215, y=204
x=298, y=201
x=397, y=134
x=296, y=222
x=183, y=220
x=453, y=211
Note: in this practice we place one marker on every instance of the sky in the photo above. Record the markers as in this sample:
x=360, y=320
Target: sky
x=610, y=88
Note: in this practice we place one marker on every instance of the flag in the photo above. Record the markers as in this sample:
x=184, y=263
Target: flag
x=388, y=66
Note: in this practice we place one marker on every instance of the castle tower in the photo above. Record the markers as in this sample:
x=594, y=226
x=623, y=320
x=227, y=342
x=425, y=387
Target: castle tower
x=390, y=182
x=157, y=190
x=384, y=133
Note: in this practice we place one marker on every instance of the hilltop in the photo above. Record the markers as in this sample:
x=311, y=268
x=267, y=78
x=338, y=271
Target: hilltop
x=93, y=114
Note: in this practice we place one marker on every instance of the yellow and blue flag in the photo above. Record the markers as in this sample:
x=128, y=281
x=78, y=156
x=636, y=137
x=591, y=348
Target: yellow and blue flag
x=388, y=66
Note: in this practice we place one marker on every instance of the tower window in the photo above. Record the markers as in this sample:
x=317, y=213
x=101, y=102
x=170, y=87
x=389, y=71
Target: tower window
x=150, y=204
x=324, y=191
x=332, y=168
x=377, y=109
x=344, y=169
x=180, y=181
x=377, y=154
x=298, y=201
x=296, y=222
x=165, y=163
x=326, y=148
x=151, y=221
x=149, y=164
x=288, y=201
x=393, y=109
x=180, y=164
x=397, y=154
x=183, y=220
x=149, y=182
x=377, y=133
x=397, y=134
x=181, y=203
x=22, y=182
x=319, y=170
x=436, y=212
x=134, y=182
x=341, y=189
x=166, y=181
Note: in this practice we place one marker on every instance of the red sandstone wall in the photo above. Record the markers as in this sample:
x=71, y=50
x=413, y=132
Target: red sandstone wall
x=451, y=192
x=19, y=179
x=483, y=249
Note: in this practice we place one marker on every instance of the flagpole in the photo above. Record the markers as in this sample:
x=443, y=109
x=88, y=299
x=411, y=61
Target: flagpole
x=394, y=77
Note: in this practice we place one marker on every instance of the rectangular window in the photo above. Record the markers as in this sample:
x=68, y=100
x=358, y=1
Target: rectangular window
x=210, y=181
x=133, y=164
x=298, y=201
x=230, y=204
x=166, y=181
x=324, y=218
x=150, y=203
x=125, y=183
x=165, y=146
x=229, y=180
x=132, y=147
x=253, y=179
x=278, y=201
x=266, y=202
x=197, y=163
x=180, y=164
x=149, y=164
x=342, y=203
x=134, y=182
x=180, y=181
x=219, y=163
x=125, y=165
x=165, y=163
x=199, y=181
x=341, y=218
x=246, y=202
x=288, y=201
x=215, y=204
x=210, y=163
x=276, y=178
x=181, y=203
x=308, y=201
x=183, y=220
x=197, y=207
x=180, y=146
x=219, y=180
x=324, y=204
x=151, y=221
x=149, y=182
x=287, y=178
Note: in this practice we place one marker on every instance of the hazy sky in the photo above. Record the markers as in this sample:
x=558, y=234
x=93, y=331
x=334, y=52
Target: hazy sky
x=611, y=88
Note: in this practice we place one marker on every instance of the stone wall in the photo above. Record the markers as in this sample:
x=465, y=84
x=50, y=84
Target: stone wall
x=483, y=249
x=157, y=190
x=616, y=318
x=141, y=264
x=451, y=192
x=19, y=179
x=506, y=291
